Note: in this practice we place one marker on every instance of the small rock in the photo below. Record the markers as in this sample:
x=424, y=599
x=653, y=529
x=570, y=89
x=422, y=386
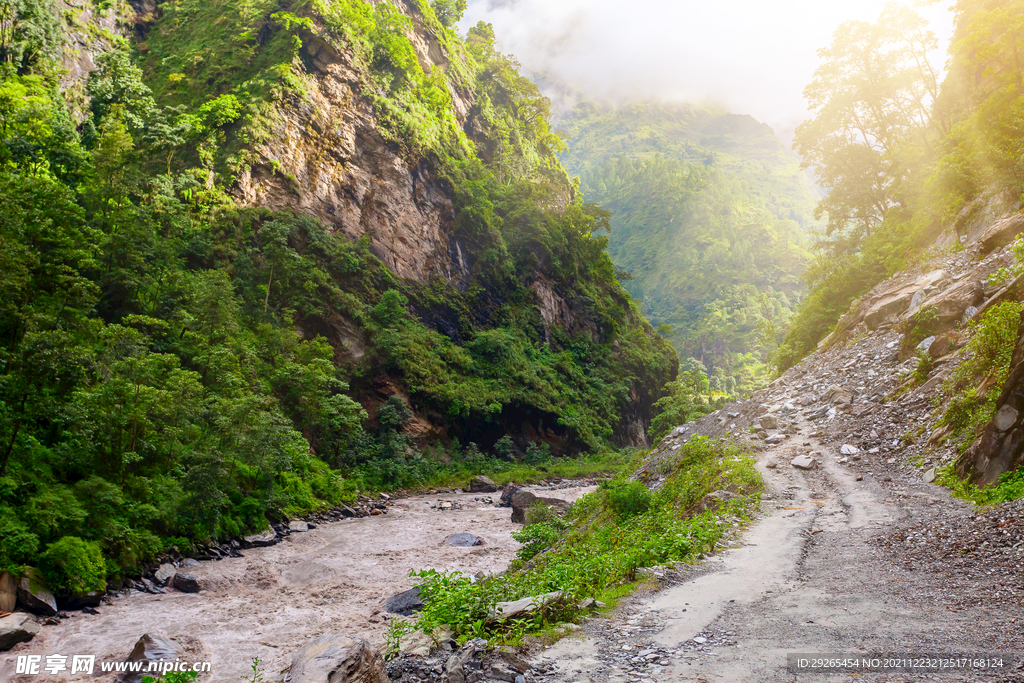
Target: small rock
x=771, y=464
x=297, y=526
x=189, y=562
x=929, y=476
x=848, y=449
x=768, y=422
x=776, y=438
x=700, y=640
x=804, y=462
x=1005, y=418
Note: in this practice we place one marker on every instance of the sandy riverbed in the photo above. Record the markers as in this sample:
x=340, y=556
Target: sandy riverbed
x=270, y=602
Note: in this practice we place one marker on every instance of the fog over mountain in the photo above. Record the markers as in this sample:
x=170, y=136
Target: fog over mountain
x=751, y=57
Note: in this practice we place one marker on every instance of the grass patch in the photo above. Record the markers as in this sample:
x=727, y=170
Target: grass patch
x=971, y=392
x=1010, y=487
x=596, y=551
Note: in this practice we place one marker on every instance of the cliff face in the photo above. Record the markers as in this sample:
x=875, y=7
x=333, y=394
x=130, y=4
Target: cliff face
x=326, y=157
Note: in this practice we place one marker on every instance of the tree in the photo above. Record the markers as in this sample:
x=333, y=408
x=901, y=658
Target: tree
x=871, y=99
x=449, y=12
x=684, y=402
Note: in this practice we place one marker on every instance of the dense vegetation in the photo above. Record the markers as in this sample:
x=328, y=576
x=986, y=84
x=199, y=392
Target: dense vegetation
x=902, y=156
x=710, y=216
x=598, y=548
x=164, y=380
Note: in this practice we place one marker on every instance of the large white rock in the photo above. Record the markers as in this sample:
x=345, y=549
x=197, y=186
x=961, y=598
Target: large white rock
x=333, y=658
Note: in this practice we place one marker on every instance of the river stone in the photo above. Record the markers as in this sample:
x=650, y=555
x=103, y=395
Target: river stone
x=463, y=540
x=34, y=596
x=150, y=648
x=16, y=628
x=804, y=462
x=164, y=573
x=8, y=592
x=481, y=484
x=189, y=562
x=332, y=658
x=297, y=526
x=404, y=603
x=262, y=539
x=185, y=582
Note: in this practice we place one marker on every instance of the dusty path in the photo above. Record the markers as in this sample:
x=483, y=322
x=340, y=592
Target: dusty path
x=270, y=602
x=808, y=576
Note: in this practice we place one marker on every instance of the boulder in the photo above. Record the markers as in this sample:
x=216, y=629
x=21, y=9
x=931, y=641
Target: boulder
x=507, y=493
x=768, y=422
x=8, y=592
x=333, y=658
x=16, y=628
x=34, y=596
x=1001, y=233
x=186, y=582
x=481, y=484
x=297, y=526
x=262, y=539
x=522, y=500
x=189, y=562
x=164, y=573
x=524, y=607
x=150, y=648
x=82, y=601
x=463, y=540
x=405, y=603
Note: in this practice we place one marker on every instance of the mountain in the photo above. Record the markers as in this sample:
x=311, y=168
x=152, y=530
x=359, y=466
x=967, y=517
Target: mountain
x=257, y=255
x=710, y=215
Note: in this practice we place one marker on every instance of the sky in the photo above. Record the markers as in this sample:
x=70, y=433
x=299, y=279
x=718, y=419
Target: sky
x=749, y=56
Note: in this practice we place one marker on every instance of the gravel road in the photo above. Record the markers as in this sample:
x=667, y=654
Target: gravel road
x=827, y=568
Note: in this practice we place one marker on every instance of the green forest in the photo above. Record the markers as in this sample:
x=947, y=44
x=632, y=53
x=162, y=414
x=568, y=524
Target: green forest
x=711, y=217
x=902, y=153
x=170, y=374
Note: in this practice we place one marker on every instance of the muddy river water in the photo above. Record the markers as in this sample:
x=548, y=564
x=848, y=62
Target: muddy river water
x=267, y=604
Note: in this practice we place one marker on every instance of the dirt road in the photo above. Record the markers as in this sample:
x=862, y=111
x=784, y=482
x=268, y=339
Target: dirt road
x=272, y=601
x=809, y=576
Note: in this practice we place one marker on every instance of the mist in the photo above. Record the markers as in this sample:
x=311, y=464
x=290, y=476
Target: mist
x=749, y=57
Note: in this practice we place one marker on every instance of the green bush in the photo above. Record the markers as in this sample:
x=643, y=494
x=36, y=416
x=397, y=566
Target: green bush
x=18, y=545
x=74, y=566
x=627, y=499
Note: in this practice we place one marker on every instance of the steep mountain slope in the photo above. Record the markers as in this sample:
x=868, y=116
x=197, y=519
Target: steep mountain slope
x=259, y=254
x=710, y=215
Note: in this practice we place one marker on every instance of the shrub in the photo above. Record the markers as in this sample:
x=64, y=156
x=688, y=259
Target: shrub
x=627, y=499
x=74, y=566
x=17, y=544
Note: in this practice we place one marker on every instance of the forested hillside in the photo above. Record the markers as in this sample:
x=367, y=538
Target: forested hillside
x=710, y=216
x=904, y=156
x=256, y=255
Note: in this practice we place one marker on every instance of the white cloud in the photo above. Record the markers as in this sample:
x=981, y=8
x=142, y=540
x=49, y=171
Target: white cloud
x=748, y=56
